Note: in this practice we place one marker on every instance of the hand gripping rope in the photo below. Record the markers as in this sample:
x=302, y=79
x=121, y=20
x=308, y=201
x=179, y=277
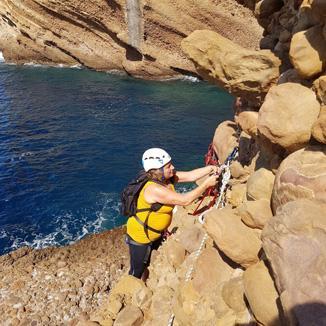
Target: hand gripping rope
x=225, y=180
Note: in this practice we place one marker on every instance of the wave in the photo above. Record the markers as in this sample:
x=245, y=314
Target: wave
x=2, y=59
x=65, y=230
x=191, y=79
x=60, y=65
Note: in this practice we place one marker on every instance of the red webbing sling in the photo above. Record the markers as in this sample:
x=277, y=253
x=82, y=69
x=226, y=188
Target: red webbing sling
x=210, y=159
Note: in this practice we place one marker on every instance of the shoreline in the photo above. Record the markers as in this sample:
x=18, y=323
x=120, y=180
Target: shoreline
x=67, y=282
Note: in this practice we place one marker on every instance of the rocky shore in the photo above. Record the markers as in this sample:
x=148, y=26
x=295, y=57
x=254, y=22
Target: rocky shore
x=261, y=259
x=56, y=286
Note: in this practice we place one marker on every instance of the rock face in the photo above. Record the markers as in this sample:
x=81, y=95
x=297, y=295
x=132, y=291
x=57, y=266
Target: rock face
x=247, y=121
x=261, y=294
x=285, y=118
x=319, y=127
x=227, y=131
x=141, y=38
x=260, y=185
x=255, y=213
x=319, y=87
x=294, y=241
x=301, y=175
x=242, y=72
x=308, y=52
x=236, y=240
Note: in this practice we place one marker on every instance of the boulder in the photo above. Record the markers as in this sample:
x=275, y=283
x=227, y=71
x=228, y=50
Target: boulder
x=129, y=316
x=319, y=86
x=161, y=307
x=210, y=270
x=191, y=308
x=142, y=298
x=285, y=118
x=242, y=72
x=255, y=213
x=294, y=241
x=238, y=171
x=190, y=238
x=122, y=294
x=308, y=52
x=265, y=8
x=319, y=127
x=233, y=294
x=238, y=194
x=225, y=139
x=127, y=286
x=260, y=185
x=235, y=239
x=247, y=121
x=301, y=175
x=175, y=253
x=261, y=294
x=188, y=305
x=161, y=271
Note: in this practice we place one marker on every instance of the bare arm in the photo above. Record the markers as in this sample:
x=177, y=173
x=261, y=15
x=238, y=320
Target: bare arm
x=156, y=193
x=193, y=175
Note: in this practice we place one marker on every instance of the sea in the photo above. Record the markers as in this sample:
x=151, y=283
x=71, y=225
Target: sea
x=71, y=139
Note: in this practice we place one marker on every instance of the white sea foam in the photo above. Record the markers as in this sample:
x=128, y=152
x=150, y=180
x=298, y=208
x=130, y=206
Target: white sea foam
x=65, y=233
x=191, y=79
x=33, y=64
x=2, y=59
x=116, y=72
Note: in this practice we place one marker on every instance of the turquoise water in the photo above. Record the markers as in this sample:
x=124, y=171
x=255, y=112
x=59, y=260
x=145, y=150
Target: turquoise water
x=71, y=139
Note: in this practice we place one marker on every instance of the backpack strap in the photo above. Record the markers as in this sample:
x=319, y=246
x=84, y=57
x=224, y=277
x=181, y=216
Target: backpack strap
x=145, y=225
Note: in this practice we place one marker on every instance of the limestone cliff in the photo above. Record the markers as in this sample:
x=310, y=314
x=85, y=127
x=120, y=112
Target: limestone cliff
x=261, y=259
x=141, y=37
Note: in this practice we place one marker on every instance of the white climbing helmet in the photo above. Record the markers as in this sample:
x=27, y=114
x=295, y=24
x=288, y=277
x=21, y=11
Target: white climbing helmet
x=155, y=158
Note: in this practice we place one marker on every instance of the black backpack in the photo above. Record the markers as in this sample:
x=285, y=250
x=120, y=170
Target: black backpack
x=130, y=193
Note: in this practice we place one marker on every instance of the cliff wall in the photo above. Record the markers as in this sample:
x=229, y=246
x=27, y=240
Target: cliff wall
x=260, y=259
x=139, y=37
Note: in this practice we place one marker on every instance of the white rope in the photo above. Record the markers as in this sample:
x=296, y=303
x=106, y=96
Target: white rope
x=225, y=181
x=191, y=269
x=170, y=323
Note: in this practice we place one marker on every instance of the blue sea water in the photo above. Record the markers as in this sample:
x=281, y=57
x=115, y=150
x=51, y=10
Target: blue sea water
x=71, y=139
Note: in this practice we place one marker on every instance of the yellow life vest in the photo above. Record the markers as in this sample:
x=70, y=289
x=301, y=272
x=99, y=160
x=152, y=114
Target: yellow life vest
x=159, y=220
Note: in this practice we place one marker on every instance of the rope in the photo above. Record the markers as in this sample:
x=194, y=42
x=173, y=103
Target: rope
x=225, y=180
x=191, y=269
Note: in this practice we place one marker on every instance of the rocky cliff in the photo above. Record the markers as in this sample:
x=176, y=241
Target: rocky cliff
x=261, y=259
x=140, y=37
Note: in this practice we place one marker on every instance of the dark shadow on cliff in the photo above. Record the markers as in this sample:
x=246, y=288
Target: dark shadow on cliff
x=113, y=5
x=309, y=314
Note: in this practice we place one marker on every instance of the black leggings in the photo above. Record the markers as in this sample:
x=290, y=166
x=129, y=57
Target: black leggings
x=140, y=256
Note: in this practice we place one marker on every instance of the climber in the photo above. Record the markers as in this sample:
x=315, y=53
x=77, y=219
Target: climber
x=155, y=204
